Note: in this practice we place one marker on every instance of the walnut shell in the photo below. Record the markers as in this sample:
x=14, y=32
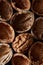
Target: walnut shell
x=36, y=53
x=5, y=53
x=22, y=42
x=37, y=7
x=21, y=5
x=37, y=29
x=6, y=33
x=5, y=10
x=22, y=21
x=20, y=59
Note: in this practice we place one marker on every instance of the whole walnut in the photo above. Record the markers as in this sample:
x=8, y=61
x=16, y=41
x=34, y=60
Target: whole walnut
x=22, y=42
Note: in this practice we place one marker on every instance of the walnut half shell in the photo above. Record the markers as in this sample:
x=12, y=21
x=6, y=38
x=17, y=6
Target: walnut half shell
x=6, y=32
x=22, y=42
x=20, y=59
x=36, y=53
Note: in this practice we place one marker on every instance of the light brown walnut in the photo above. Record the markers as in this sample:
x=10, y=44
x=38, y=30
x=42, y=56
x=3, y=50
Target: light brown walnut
x=22, y=42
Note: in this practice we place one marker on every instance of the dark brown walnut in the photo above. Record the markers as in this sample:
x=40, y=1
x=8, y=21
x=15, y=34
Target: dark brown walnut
x=37, y=7
x=22, y=21
x=5, y=53
x=37, y=29
x=6, y=32
x=20, y=59
x=36, y=53
x=22, y=42
x=20, y=5
x=5, y=10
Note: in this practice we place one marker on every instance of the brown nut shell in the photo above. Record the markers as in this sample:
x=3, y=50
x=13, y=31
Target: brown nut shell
x=22, y=43
x=6, y=32
x=21, y=5
x=37, y=29
x=20, y=59
x=6, y=10
x=22, y=21
x=36, y=53
x=37, y=7
x=5, y=53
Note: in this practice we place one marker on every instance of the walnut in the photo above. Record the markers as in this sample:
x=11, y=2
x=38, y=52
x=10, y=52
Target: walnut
x=6, y=10
x=5, y=53
x=36, y=53
x=21, y=5
x=20, y=59
x=22, y=21
x=6, y=32
x=37, y=7
x=37, y=29
x=22, y=42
